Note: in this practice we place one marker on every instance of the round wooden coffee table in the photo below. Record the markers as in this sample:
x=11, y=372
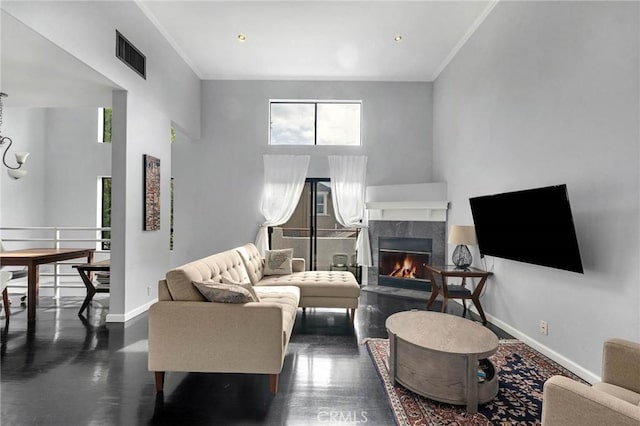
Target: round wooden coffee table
x=437, y=355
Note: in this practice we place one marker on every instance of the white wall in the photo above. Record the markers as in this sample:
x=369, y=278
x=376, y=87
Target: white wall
x=219, y=178
x=21, y=201
x=75, y=160
x=547, y=93
x=143, y=113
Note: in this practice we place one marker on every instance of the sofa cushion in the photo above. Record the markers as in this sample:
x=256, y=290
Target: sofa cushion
x=245, y=284
x=278, y=262
x=618, y=392
x=225, y=293
x=210, y=268
x=317, y=283
x=286, y=296
x=253, y=262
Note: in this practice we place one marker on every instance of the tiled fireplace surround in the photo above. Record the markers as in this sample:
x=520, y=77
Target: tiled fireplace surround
x=436, y=231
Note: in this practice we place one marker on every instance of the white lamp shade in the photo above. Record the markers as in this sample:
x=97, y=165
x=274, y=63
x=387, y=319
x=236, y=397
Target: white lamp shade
x=459, y=234
x=17, y=174
x=21, y=157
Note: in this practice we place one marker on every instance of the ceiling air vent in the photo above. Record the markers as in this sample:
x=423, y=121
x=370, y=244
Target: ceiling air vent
x=130, y=55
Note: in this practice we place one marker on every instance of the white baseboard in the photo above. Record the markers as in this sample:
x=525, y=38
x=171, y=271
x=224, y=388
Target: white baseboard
x=570, y=365
x=131, y=314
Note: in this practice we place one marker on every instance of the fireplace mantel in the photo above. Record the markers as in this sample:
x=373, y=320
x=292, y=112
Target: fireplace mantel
x=408, y=202
x=433, y=211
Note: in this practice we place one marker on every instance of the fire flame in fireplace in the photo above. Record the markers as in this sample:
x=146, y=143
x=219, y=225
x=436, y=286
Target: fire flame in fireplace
x=406, y=270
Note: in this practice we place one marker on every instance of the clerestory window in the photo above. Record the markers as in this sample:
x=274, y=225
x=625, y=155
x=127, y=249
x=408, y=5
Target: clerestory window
x=315, y=122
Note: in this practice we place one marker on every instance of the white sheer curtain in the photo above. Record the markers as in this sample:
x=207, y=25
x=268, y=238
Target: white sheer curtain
x=348, y=174
x=284, y=177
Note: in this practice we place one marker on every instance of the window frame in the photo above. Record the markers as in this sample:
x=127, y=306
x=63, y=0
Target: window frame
x=101, y=124
x=325, y=200
x=315, y=102
x=103, y=245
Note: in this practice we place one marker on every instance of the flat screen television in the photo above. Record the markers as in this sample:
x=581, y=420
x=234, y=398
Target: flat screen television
x=533, y=226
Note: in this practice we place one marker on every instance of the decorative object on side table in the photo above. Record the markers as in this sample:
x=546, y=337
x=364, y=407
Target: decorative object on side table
x=462, y=236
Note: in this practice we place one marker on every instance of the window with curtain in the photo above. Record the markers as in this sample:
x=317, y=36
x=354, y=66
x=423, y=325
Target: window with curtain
x=348, y=185
x=284, y=177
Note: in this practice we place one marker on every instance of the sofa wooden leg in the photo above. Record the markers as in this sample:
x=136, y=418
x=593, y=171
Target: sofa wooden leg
x=159, y=381
x=273, y=384
x=352, y=312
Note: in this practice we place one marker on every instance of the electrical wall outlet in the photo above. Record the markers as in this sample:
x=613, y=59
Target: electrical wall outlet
x=544, y=328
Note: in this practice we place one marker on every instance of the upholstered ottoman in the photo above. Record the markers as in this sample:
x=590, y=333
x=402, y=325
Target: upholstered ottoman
x=320, y=289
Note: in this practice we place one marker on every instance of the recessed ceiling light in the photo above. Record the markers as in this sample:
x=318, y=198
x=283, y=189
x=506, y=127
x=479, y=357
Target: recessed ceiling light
x=242, y=37
x=398, y=38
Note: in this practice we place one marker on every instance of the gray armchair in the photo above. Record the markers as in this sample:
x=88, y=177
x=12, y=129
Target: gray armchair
x=614, y=401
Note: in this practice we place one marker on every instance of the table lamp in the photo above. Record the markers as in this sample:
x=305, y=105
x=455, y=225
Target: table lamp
x=462, y=235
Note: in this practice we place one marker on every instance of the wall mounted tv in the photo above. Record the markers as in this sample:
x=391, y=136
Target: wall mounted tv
x=532, y=226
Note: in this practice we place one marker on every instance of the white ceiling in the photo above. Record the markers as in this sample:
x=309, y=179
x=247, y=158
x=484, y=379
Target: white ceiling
x=294, y=40
x=317, y=40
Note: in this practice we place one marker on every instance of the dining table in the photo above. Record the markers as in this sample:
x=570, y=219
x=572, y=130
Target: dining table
x=34, y=257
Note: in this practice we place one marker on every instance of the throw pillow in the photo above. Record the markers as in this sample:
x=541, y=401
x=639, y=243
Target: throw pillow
x=225, y=293
x=278, y=262
x=247, y=286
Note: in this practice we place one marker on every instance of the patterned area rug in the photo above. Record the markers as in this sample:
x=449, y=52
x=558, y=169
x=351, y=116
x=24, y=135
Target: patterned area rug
x=521, y=373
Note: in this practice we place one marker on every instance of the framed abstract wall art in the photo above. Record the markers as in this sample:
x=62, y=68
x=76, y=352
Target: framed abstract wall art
x=151, y=193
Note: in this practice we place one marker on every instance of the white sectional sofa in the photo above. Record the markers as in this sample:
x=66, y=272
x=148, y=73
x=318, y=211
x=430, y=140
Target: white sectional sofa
x=189, y=334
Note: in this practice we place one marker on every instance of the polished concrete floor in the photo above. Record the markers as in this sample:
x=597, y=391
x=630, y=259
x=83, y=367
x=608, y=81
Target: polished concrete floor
x=70, y=370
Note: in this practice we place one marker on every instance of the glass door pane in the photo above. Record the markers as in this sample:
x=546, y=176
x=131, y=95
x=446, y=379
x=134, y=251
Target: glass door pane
x=314, y=233
x=296, y=233
x=335, y=244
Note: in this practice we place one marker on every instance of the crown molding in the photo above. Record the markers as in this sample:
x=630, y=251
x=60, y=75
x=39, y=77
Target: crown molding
x=151, y=17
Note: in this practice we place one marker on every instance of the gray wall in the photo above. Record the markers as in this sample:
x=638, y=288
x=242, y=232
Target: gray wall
x=547, y=93
x=63, y=168
x=219, y=178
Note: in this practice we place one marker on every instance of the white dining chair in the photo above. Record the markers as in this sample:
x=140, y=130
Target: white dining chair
x=16, y=273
